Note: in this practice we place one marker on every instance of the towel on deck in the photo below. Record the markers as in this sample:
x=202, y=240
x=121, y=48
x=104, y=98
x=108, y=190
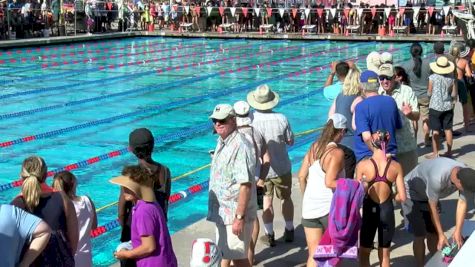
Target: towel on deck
x=340, y=240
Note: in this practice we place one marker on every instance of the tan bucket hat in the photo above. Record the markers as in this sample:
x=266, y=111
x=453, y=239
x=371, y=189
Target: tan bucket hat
x=263, y=98
x=144, y=192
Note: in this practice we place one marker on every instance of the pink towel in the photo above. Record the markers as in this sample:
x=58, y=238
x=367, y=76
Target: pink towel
x=340, y=240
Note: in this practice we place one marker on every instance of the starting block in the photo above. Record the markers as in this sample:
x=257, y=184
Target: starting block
x=186, y=26
x=227, y=26
x=352, y=28
x=266, y=27
x=450, y=29
x=398, y=29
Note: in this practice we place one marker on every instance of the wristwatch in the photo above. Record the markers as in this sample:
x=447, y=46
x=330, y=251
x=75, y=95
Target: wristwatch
x=239, y=217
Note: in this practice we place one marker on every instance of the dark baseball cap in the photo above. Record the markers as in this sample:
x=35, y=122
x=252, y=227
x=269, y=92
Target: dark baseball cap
x=467, y=179
x=439, y=47
x=141, y=137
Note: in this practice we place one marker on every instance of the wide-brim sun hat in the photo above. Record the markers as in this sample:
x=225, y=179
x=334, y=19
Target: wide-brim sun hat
x=143, y=192
x=263, y=98
x=442, y=66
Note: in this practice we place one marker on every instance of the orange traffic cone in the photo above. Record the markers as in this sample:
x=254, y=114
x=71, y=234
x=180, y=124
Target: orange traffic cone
x=260, y=30
x=442, y=33
x=303, y=32
x=220, y=30
x=392, y=33
x=347, y=33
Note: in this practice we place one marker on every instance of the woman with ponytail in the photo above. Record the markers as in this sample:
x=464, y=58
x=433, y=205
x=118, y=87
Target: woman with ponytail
x=54, y=208
x=322, y=166
x=378, y=208
x=418, y=71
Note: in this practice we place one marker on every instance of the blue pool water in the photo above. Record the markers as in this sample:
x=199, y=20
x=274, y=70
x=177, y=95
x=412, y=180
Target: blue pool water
x=87, y=107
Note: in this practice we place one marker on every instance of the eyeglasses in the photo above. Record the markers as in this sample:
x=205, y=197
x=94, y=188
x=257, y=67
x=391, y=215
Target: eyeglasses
x=223, y=121
x=384, y=77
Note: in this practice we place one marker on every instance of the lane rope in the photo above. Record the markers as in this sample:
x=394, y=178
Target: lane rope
x=146, y=110
x=173, y=136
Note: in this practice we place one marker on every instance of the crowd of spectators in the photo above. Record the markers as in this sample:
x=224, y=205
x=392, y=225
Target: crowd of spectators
x=44, y=18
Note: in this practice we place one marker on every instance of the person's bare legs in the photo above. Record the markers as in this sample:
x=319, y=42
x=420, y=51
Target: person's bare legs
x=415, y=126
x=383, y=254
x=432, y=240
x=288, y=210
x=426, y=130
x=240, y=263
x=268, y=210
x=450, y=141
x=225, y=263
x=313, y=237
x=364, y=256
x=435, y=145
x=419, y=249
x=252, y=246
x=466, y=117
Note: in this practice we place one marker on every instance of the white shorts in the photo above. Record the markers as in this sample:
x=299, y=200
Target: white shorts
x=233, y=247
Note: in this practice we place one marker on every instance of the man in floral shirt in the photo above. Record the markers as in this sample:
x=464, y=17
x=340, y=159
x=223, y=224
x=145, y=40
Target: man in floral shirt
x=232, y=195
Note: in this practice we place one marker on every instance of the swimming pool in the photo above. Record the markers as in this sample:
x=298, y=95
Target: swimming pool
x=75, y=105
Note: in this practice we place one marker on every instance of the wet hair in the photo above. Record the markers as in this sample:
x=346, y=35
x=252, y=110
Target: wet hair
x=381, y=140
x=319, y=146
x=65, y=181
x=416, y=53
x=33, y=173
x=342, y=69
x=455, y=51
x=352, y=82
x=400, y=71
x=143, y=151
x=138, y=175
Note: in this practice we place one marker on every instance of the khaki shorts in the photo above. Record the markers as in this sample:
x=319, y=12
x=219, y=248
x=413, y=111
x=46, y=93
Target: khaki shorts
x=233, y=247
x=282, y=186
x=423, y=104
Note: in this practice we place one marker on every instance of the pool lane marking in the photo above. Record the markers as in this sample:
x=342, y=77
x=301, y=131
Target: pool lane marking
x=86, y=46
x=88, y=59
x=156, y=108
x=136, y=90
x=192, y=190
x=177, y=135
x=77, y=72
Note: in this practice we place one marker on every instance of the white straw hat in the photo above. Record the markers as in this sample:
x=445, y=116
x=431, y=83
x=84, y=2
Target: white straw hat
x=442, y=66
x=263, y=98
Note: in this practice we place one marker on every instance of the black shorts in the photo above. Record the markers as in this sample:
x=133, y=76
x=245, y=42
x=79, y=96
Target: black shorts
x=377, y=217
x=441, y=120
x=417, y=218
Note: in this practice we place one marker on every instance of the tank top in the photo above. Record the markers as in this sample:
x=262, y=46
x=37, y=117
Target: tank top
x=84, y=213
x=317, y=197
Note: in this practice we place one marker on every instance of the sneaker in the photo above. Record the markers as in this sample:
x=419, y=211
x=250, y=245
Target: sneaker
x=289, y=235
x=268, y=240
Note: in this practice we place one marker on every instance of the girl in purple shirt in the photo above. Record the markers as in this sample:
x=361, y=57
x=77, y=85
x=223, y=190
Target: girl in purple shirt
x=151, y=240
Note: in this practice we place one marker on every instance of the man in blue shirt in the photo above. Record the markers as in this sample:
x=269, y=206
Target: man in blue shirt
x=375, y=112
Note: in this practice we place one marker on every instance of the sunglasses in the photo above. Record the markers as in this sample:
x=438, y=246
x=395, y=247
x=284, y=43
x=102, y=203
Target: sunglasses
x=223, y=121
x=384, y=77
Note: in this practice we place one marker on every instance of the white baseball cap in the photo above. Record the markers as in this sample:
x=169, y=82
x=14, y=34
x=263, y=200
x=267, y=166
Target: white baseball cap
x=339, y=121
x=222, y=111
x=205, y=253
x=241, y=108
